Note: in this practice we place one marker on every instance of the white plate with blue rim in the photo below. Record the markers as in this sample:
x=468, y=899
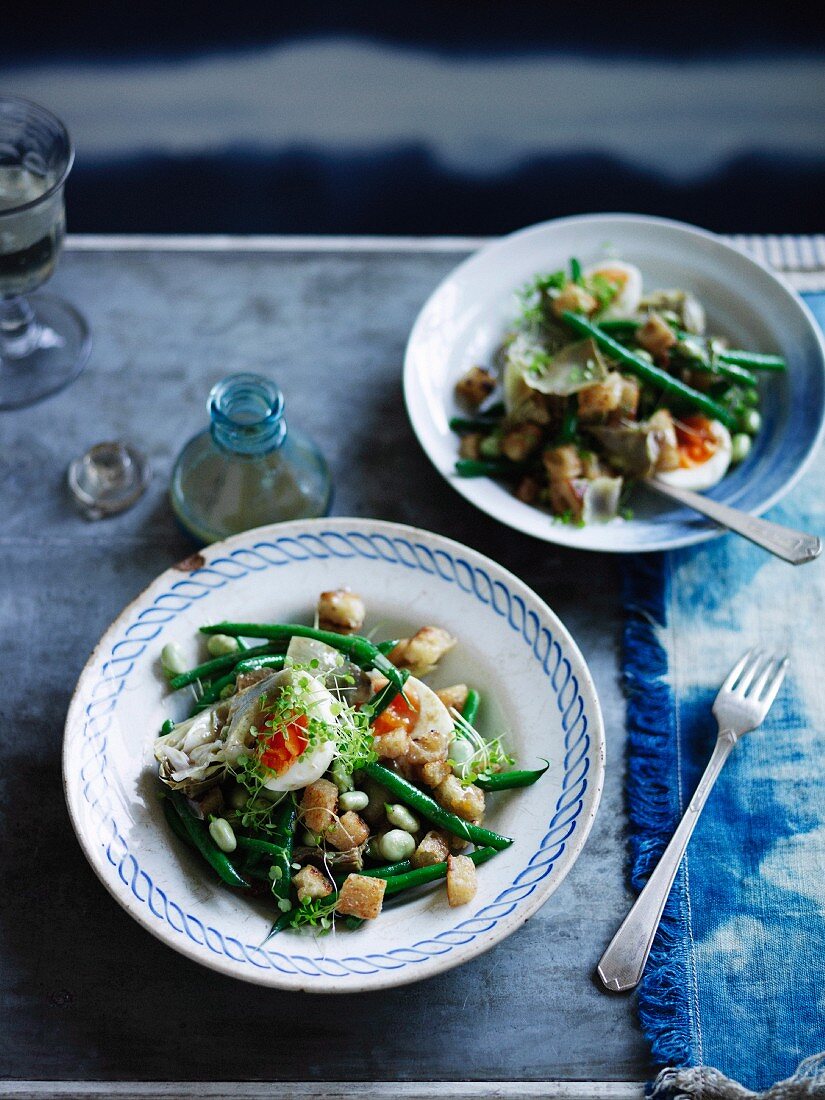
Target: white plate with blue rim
x=537, y=692
x=465, y=318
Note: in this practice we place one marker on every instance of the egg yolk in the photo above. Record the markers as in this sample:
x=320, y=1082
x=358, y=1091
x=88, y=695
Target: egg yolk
x=695, y=440
x=285, y=744
x=615, y=276
x=402, y=711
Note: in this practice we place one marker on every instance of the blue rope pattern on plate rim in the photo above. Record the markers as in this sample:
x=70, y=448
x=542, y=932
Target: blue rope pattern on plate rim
x=283, y=552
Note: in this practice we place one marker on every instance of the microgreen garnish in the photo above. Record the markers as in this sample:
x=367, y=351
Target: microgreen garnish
x=488, y=756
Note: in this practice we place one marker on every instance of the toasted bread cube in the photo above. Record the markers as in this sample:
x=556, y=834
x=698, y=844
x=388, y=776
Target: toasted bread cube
x=562, y=463
x=528, y=490
x=597, y=402
x=629, y=399
x=576, y=299
x=461, y=880
x=657, y=337
x=454, y=696
x=392, y=744
x=434, y=772
x=476, y=384
x=432, y=849
x=341, y=611
x=568, y=497
x=350, y=831
x=361, y=897
x=520, y=442
x=421, y=653
x=455, y=843
x=464, y=802
x=469, y=445
x=592, y=466
x=319, y=805
x=311, y=884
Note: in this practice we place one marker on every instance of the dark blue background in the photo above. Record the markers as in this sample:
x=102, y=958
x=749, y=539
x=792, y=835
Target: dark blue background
x=397, y=183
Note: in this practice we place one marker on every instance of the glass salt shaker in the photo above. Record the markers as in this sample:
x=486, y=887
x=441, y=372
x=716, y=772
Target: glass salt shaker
x=246, y=469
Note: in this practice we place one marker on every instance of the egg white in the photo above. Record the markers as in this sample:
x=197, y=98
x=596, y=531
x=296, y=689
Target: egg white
x=432, y=714
x=709, y=473
x=316, y=759
x=626, y=302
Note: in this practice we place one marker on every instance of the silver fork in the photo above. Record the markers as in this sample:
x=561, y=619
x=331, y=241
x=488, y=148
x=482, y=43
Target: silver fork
x=741, y=705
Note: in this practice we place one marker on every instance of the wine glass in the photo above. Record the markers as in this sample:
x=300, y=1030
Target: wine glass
x=44, y=342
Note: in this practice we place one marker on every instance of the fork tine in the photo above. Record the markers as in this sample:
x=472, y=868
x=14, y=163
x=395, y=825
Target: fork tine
x=750, y=671
x=736, y=671
x=775, y=684
x=765, y=674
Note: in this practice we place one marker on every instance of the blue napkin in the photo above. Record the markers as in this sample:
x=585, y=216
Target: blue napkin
x=736, y=979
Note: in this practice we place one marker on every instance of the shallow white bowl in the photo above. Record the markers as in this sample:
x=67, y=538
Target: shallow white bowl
x=535, y=686
x=463, y=321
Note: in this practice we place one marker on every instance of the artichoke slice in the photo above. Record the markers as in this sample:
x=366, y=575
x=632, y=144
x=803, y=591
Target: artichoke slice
x=576, y=367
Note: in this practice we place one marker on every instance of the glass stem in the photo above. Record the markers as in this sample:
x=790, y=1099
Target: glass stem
x=19, y=332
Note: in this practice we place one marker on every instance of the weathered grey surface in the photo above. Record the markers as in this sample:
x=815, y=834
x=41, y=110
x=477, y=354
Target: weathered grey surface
x=86, y=993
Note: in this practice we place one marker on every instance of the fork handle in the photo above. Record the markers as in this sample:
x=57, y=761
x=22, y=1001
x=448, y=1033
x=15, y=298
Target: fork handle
x=797, y=547
x=622, y=964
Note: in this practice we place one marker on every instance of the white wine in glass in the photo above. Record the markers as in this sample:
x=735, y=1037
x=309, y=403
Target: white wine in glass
x=44, y=342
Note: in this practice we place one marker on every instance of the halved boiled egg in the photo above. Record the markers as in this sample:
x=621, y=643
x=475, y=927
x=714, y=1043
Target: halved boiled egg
x=425, y=718
x=625, y=279
x=704, y=454
x=285, y=748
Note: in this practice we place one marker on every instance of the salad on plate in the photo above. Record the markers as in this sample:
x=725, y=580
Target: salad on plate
x=600, y=383
x=318, y=769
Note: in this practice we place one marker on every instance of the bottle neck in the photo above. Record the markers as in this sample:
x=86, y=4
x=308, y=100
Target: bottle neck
x=247, y=413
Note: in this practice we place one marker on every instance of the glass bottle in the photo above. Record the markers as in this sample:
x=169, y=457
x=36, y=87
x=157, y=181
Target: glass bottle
x=246, y=469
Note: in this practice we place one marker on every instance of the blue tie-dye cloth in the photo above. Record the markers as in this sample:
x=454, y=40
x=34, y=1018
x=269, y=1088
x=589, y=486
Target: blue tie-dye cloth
x=736, y=979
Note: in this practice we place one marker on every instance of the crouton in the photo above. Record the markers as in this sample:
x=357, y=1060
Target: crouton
x=461, y=880
x=576, y=299
x=341, y=611
x=311, y=884
x=454, y=696
x=562, y=463
x=361, y=897
x=597, y=402
x=520, y=442
x=392, y=744
x=455, y=843
x=528, y=490
x=319, y=805
x=567, y=497
x=469, y=445
x=349, y=831
x=629, y=398
x=592, y=466
x=432, y=849
x=421, y=653
x=476, y=384
x=434, y=772
x=657, y=337
x=464, y=802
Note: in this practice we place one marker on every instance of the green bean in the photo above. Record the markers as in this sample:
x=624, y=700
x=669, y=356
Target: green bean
x=353, y=923
x=622, y=326
x=388, y=646
x=167, y=727
x=278, y=851
x=251, y=664
x=213, y=693
x=199, y=834
x=422, y=875
x=401, y=867
x=653, y=375
x=470, y=709
x=753, y=359
x=570, y=423
x=280, y=924
x=431, y=810
x=361, y=651
x=575, y=270
x=698, y=360
x=175, y=823
x=506, y=781
x=461, y=424
x=217, y=665
x=477, y=467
